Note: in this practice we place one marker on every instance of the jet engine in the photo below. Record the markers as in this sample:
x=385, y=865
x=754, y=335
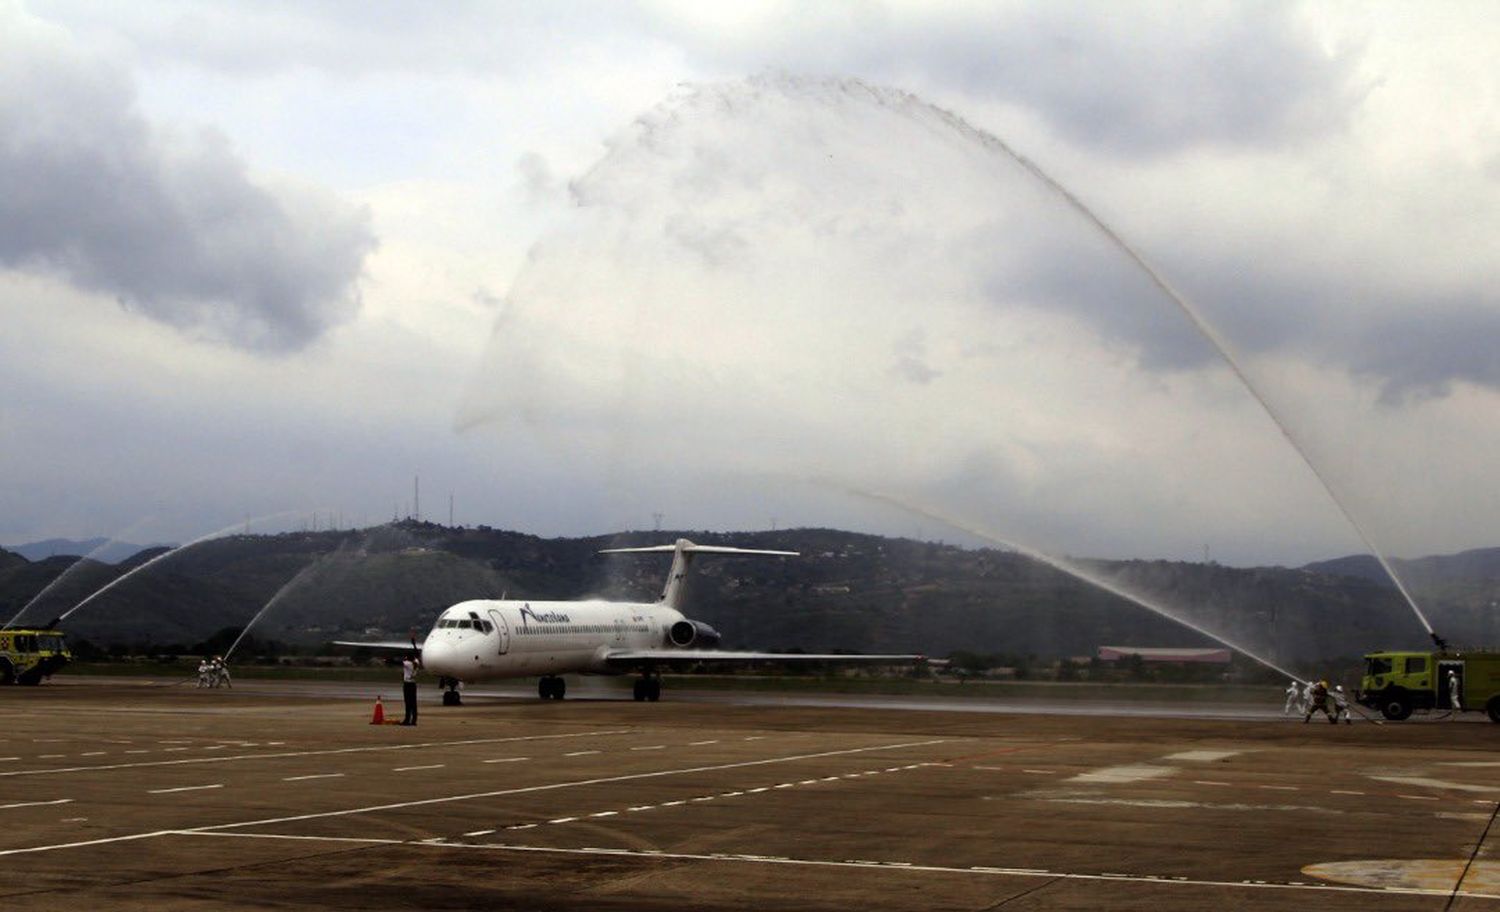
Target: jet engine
x=693, y=633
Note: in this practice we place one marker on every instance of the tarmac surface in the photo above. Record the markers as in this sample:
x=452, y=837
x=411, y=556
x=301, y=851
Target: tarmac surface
x=117, y=794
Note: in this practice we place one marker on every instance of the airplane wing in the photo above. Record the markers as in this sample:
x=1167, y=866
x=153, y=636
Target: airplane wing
x=631, y=658
x=388, y=645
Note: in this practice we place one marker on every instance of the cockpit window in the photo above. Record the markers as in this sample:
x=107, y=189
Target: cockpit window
x=465, y=624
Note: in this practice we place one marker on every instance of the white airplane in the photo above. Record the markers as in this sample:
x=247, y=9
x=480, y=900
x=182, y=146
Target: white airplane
x=489, y=639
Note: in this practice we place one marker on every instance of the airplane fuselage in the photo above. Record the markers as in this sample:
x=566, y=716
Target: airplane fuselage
x=484, y=639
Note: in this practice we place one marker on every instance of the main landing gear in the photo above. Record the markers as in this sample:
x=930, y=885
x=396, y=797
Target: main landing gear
x=551, y=688
x=450, y=691
x=647, y=687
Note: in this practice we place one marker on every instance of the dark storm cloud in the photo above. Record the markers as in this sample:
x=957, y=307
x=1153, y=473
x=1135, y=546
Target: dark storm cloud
x=1423, y=355
x=1142, y=79
x=1124, y=79
x=1410, y=347
x=173, y=227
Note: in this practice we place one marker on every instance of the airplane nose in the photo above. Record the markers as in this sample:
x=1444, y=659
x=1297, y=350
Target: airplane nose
x=439, y=656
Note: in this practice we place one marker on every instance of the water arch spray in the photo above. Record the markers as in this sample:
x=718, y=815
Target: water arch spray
x=163, y=556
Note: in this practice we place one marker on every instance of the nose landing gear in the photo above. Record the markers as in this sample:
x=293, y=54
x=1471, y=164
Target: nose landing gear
x=450, y=691
x=551, y=688
x=647, y=687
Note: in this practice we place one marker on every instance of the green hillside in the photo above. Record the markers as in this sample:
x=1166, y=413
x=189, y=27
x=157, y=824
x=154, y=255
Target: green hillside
x=846, y=592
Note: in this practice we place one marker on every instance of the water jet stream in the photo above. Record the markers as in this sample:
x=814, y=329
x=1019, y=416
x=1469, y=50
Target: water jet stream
x=1226, y=351
x=164, y=555
x=1061, y=564
x=58, y=580
x=302, y=575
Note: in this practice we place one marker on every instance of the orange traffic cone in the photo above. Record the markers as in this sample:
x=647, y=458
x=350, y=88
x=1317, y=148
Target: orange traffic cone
x=379, y=713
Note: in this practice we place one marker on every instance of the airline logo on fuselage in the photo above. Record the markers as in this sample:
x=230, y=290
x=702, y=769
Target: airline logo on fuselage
x=545, y=617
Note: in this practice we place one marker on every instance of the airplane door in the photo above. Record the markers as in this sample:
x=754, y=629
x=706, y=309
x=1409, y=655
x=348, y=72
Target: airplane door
x=503, y=629
x=1443, y=699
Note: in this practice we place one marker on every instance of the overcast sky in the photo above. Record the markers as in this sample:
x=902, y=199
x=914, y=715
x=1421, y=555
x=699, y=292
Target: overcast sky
x=581, y=263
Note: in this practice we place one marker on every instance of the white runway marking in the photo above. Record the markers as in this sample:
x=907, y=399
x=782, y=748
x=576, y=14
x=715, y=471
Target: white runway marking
x=8, y=759
x=1346, y=792
x=1177, y=804
x=654, y=747
x=184, y=788
x=93, y=753
x=506, y=760
x=1115, y=775
x=308, y=753
x=89, y=842
x=1209, y=782
x=735, y=794
x=1201, y=756
x=581, y=753
x=701, y=743
x=312, y=776
x=27, y=804
x=427, y=766
x=1424, y=782
x=519, y=790
x=480, y=833
x=895, y=866
x=1282, y=788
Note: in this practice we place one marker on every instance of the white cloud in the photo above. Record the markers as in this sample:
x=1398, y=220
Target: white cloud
x=1320, y=178
x=172, y=226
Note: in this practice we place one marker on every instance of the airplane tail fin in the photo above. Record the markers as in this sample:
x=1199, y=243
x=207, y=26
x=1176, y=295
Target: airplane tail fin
x=683, y=552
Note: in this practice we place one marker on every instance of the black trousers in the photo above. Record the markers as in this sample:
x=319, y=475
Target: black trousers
x=409, y=693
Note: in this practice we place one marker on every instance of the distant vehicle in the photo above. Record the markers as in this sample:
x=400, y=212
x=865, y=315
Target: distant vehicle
x=484, y=640
x=29, y=655
x=1397, y=683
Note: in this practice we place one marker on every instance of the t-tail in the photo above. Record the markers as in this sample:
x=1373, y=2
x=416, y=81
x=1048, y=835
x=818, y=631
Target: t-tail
x=682, y=558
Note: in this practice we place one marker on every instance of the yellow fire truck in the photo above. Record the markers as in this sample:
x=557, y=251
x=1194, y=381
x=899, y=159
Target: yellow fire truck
x=1396, y=683
x=27, y=655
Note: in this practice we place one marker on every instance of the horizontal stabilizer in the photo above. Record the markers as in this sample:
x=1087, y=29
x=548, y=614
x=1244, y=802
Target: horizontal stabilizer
x=699, y=549
x=683, y=552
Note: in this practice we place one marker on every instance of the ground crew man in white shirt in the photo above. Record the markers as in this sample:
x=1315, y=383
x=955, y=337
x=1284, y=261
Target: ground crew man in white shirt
x=1455, y=701
x=409, y=688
